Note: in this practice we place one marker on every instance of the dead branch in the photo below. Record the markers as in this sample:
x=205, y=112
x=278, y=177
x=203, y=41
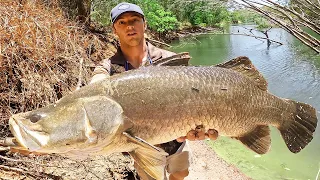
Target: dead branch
x=312, y=4
x=292, y=28
x=34, y=175
x=14, y=169
x=80, y=74
x=257, y=37
x=250, y=29
x=158, y=42
x=10, y=159
x=282, y=8
x=304, y=5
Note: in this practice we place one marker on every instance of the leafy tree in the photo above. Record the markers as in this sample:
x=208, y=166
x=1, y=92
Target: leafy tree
x=237, y=17
x=202, y=12
x=158, y=18
x=100, y=11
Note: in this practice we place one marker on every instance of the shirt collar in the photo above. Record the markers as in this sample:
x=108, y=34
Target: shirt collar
x=153, y=51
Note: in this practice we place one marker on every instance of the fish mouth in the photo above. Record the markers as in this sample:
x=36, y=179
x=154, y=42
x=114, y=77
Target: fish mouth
x=26, y=135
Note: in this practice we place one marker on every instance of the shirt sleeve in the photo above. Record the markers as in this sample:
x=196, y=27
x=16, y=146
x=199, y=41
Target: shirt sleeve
x=101, y=71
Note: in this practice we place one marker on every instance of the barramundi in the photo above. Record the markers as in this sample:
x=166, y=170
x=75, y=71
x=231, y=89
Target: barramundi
x=135, y=110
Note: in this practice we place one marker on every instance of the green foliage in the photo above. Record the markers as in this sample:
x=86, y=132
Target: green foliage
x=101, y=11
x=203, y=12
x=162, y=21
x=262, y=23
x=245, y=16
x=158, y=18
x=237, y=17
x=166, y=15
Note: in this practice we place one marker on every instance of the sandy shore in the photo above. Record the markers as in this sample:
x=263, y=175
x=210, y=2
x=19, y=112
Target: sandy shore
x=206, y=165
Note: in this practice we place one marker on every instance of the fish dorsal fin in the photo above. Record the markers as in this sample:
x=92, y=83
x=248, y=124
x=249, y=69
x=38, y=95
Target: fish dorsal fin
x=243, y=65
x=257, y=140
x=148, y=157
x=181, y=59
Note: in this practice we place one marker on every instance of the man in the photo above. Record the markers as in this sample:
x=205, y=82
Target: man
x=129, y=24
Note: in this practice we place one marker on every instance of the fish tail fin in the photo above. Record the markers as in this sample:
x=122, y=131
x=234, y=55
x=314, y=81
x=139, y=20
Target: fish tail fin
x=298, y=131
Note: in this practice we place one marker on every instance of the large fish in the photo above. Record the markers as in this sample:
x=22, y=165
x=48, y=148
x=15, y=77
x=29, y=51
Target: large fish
x=135, y=110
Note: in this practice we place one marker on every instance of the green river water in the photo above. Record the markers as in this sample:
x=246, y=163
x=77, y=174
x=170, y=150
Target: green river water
x=292, y=71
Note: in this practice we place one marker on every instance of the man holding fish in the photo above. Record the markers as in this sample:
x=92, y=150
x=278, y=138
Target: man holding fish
x=135, y=110
x=129, y=24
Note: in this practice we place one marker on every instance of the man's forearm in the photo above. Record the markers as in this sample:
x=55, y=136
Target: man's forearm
x=102, y=71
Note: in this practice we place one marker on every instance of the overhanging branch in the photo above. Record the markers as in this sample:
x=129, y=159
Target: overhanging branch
x=288, y=15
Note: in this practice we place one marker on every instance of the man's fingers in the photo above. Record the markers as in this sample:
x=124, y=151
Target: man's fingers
x=200, y=135
x=212, y=134
x=191, y=135
x=200, y=128
x=181, y=139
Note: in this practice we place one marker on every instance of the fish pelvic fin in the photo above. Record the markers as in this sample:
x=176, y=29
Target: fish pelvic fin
x=243, y=65
x=298, y=131
x=148, y=157
x=257, y=140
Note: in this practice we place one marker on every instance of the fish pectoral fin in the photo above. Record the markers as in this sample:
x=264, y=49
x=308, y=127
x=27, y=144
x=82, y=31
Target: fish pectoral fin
x=143, y=143
x=257, y=140
x=150, y=158
x=151, y=161
x=244, y=66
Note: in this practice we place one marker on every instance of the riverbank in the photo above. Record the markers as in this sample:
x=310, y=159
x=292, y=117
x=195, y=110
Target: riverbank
x=182, y=33
x=207, y=165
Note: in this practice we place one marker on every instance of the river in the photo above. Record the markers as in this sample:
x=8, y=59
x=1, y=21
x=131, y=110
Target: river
x=292, y=71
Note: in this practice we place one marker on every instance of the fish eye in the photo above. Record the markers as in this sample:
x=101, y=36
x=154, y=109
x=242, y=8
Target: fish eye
x=34, y=118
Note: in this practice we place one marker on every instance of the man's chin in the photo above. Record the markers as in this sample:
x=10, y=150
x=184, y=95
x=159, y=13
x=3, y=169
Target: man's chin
x=133, y=42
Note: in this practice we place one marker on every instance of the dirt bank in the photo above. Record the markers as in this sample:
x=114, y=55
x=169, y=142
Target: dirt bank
x=206, y=165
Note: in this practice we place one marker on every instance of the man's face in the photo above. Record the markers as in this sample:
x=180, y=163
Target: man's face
x=130, y=28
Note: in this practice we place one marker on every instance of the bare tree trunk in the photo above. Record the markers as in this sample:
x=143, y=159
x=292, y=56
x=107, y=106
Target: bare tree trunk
x=84, y=7
x=78, y=10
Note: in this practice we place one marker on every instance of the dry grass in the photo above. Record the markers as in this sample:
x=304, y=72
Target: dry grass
x=43, y=57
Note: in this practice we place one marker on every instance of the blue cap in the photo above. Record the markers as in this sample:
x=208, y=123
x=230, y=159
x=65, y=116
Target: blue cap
x=122, y=8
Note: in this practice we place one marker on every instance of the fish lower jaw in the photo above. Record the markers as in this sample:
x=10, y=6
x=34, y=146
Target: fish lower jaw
x=30, y=140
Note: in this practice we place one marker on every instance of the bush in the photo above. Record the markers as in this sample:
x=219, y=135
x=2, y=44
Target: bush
x=158, y=19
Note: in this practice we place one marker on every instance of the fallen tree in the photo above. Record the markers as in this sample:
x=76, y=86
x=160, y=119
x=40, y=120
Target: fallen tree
x=293, y=18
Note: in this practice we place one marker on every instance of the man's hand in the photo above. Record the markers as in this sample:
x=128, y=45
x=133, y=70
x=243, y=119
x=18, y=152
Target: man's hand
x=199, y=134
